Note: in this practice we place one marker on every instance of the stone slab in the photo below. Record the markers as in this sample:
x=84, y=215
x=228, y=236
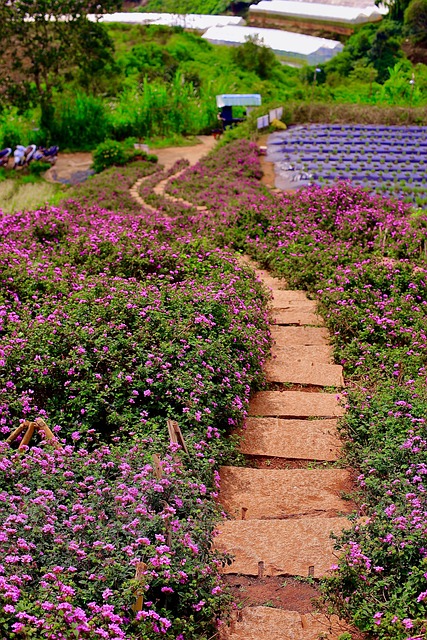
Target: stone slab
x=299, y=318
x=324, y=375
x=291, y=439
x=270, y=282
x=285, y=297
x=295, y=404
x=293, y=336
x=264, y=494
x=268, y=623
x=296, y=547
x=301, y=353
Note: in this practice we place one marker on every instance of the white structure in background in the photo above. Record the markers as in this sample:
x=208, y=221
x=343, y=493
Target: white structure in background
x=187, y=21
x=292, y=47
x=316, y=12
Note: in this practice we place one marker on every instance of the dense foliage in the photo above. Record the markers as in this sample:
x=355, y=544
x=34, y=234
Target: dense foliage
x=365, y=259
x=163, y=82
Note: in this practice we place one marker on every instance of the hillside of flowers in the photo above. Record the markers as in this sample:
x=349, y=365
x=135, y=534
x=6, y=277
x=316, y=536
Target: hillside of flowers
x=113, y=321
x=365, y=259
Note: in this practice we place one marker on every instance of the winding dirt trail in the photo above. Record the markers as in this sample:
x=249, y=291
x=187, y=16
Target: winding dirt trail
x=288, y=500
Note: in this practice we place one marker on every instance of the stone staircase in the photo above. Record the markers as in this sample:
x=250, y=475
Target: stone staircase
x=283, y=517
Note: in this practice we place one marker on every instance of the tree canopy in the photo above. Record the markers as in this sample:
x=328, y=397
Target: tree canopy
x=44, y=40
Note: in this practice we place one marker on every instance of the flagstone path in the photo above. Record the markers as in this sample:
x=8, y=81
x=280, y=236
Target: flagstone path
x=282, y=518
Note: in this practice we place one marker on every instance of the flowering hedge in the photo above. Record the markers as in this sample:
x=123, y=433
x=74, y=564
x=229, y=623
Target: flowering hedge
x=364, y=258
x=111, y=323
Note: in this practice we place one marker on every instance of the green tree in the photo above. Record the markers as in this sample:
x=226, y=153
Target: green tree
x=43, y=41
x=416, y=20
x=254, y=56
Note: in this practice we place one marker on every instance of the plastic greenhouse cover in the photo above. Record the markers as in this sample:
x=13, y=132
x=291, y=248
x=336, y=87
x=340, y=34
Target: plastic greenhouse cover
x=187, y=21
x=238, y=100
x=293, y=45
x=337, y=13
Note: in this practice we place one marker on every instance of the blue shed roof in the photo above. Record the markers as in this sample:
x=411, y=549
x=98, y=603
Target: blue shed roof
x=238, y=100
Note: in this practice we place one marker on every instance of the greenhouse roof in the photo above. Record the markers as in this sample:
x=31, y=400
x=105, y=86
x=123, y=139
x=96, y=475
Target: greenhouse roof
x=238, y=100
x=318, y=11
x=187, y=21
x=294, y=46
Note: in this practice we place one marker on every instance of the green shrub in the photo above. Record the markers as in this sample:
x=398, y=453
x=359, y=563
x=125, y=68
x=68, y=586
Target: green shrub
x=108, y=154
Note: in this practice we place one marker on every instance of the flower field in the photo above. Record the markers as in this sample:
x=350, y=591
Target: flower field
x=112, y=322
x=365, y=260
x=390, y=160
x=115, y=319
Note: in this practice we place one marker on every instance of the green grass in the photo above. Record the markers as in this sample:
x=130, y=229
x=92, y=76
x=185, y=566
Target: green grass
x=20, y=195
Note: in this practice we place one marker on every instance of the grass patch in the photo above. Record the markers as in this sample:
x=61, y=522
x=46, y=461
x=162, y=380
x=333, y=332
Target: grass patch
x=20, y=194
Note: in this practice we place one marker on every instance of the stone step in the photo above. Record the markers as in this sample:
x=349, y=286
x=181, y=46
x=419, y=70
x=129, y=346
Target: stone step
x=268, y=623
x=324, y=375
x=265, y=494
x=272, y=283
x=291, y=439
x=293, y=336
x=295, y=404
x=296, y=317
x=321, y=354
x=296, y=547
x=283, y=298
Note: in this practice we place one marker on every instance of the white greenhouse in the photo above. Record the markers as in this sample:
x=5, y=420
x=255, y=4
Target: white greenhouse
x=193, y=22
x=295, y=11
x=291, y=47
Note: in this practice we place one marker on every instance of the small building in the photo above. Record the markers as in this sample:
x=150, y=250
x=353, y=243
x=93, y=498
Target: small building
x=226, y=101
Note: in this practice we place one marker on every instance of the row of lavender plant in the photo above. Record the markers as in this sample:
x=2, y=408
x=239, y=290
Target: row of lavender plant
x=113, y=321
x=364, y=258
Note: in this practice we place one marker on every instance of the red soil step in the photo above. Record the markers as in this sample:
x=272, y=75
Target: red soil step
x=295, y=403
x=293, y=336
x=291, y=439
x=254, y=623
x=261, y=494
x=297, y=547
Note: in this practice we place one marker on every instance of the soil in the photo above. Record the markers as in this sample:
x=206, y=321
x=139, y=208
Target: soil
x=276, y=591
x=70, y=168
x=268, y=174
x=170, y=155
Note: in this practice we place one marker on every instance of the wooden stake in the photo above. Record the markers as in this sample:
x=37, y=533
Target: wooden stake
x=157, y=467
x=139, y=575
x=15, y=434
x=175, y=434
x=42, y=426
x=27, y=437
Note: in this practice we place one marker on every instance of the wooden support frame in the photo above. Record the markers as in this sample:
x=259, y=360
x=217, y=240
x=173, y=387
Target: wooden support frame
x=29, y=428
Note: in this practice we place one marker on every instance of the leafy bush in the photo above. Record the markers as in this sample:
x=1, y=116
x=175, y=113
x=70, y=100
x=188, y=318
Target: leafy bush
x=416, y=20
x=108, y=154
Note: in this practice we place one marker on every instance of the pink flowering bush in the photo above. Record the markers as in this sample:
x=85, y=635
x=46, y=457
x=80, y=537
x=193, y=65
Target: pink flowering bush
x=75, y=524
